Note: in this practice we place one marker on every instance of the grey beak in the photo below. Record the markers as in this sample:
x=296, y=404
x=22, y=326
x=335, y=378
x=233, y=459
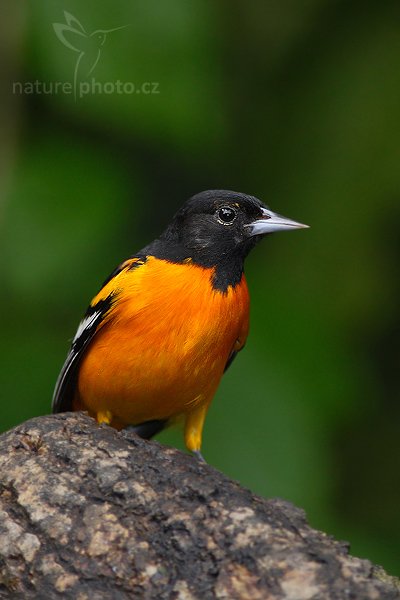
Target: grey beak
x=270, y=222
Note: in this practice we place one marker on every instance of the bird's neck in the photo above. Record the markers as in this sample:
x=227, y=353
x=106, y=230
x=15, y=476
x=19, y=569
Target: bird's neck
x=227, y=267
x=228, y=272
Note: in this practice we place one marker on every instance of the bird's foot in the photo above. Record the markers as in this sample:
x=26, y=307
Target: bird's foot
x=199, y=456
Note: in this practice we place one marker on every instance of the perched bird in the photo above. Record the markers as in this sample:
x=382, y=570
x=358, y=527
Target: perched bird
x=157, y=338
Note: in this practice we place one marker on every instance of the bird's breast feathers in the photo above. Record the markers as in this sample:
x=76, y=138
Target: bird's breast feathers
x=167, y=334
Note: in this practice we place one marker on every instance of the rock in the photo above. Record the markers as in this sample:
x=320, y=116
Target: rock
x=89, y=513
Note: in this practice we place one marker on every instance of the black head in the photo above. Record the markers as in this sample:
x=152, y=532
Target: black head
x=218, y=228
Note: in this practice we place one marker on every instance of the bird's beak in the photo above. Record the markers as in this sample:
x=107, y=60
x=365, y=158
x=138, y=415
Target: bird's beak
x=270, y=222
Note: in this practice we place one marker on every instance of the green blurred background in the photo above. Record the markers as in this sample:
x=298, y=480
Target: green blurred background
x=295, y=102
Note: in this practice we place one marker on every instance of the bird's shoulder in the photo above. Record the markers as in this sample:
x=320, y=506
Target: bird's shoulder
x=101, y=306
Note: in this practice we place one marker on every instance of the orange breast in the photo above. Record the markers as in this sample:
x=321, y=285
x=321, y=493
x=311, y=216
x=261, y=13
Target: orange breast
x=165, y=344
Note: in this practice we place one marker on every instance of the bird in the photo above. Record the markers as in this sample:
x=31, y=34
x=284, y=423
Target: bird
x=168, y=322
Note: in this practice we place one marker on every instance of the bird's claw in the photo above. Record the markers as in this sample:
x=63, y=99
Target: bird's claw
x=199, y=456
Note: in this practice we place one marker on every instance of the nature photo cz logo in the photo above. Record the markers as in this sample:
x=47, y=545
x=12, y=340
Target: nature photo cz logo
x=89, y=47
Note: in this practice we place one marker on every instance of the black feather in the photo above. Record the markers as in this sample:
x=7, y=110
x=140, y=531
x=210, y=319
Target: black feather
x=230, y=360
x=65, y=387
x=148, y=429
x=66, y=383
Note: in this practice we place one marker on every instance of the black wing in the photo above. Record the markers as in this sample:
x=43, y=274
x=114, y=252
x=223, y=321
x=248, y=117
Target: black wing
x=96, y=313
x=235, y=351
x=66, y=382
x=230, y=360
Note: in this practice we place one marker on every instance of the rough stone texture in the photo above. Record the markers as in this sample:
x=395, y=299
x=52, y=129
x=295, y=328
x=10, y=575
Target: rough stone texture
x=90, y=513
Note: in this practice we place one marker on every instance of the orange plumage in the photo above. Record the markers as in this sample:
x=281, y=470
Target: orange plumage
x=162, y=350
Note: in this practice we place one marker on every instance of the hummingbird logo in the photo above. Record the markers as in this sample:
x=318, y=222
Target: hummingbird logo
x=87, y=45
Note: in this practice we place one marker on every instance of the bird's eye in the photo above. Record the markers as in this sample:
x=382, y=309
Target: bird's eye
x=226, y=215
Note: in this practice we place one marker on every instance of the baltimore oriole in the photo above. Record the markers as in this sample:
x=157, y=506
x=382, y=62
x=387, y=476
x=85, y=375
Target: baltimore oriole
x=156, y=340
